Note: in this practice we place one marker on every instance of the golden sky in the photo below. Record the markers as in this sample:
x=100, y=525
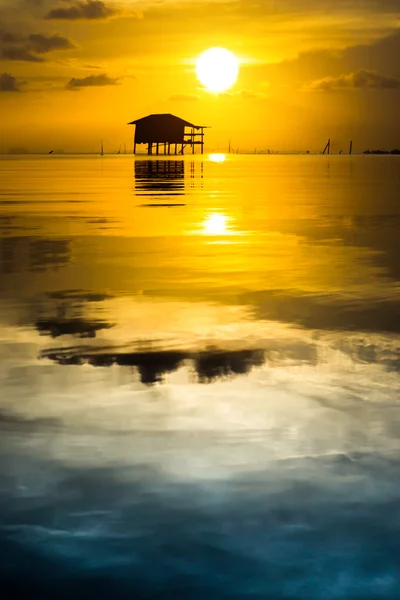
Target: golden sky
x=73, y=72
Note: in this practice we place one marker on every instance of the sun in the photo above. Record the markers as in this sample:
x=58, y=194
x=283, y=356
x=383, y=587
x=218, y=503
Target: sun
x=217, y=69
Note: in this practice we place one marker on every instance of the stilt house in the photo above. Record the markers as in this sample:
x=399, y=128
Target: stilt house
x=169, y=133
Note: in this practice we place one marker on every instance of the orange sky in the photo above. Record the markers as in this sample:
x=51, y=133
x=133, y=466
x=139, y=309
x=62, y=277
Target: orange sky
x=73, y=72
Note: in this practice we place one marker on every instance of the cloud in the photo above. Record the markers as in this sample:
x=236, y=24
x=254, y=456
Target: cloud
x=8, y=83
x=17, y=47
x=245, y=94
x=248, y=94
x=361, y=79
x=91, y=9
x=7, y=37
x=91, y=81
x=19, y=53
x=89, y=66
x=184, y=98
x=41, y=43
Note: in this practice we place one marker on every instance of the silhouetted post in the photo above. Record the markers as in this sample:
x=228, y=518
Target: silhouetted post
x=327, y=147
x=169, y=148
x=134, y=148
x=176, y=149
x=351, y=147
x=157, y=148
x=149, y=148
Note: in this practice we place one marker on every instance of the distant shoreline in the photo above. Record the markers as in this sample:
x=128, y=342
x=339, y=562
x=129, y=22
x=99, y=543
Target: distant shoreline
x=192, y=156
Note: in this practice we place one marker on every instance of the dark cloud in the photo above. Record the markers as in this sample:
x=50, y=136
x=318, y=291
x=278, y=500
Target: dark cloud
x=361, y=79
x=91, y=81
x=19, y=53
x=375, y=57
x=328, y=311
x=294, y=7
x=210, y=364
x=16, y=47
x=91, y=9
x=312, y=66
x=7, y=37
x=41, y=43
x=9, y=419
x=82, y=328
x=8, y=83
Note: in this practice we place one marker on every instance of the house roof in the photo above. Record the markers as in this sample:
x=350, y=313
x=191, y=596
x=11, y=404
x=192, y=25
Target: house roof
x=165, y=116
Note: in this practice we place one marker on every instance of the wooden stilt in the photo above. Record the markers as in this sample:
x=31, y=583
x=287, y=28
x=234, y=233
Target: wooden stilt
x=351, y=147
x=327, y=147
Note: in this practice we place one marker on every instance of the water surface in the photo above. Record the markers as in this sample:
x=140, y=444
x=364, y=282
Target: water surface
x=200, y=375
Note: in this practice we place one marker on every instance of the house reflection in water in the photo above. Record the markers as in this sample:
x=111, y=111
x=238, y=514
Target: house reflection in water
x=159, y=179
x=165, y=177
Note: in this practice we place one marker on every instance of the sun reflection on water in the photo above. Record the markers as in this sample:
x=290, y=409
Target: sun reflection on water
x=217, y=224
x=218, y=158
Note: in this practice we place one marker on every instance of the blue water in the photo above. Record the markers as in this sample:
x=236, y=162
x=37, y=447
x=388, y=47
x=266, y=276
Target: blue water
x=199, y=365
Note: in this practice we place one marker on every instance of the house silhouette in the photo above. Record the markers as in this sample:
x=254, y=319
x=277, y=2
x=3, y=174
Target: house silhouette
x=167, y=130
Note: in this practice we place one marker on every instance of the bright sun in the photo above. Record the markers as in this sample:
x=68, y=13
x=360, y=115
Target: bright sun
x=217, y=69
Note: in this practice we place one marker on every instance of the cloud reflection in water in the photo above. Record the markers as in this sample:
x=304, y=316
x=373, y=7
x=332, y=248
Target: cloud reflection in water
x=239, y=434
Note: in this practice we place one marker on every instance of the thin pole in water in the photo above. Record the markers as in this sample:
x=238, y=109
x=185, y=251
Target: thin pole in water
x=327, y=147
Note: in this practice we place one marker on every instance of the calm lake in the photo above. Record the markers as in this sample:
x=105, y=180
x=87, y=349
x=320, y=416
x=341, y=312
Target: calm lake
x=200, y=377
